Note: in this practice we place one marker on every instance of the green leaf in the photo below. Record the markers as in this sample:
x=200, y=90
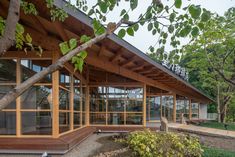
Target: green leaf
x=98, y=27
x=185, y=31
x=150, y=26
x=195, y=11
x=19, y=28
x=84, y=39
x=79, y=64
x=103, y=6
x=91, y=12
x=156, y=24
x=178, y=3
x=123, y=12
x=28, y=38
x=73, y=43
x=121, y=33
x=171, y=29
x=74, y=59
x=126, y=17
x=130, y=31
x=82, y=54
x=135, y=27
x=195, y=31
x=205, y=16
x=64, y=47
x=172, y=17
x=154, y=31
x=133, y=4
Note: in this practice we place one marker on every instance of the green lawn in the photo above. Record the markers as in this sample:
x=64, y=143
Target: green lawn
x=213, y=152
x=216, y=125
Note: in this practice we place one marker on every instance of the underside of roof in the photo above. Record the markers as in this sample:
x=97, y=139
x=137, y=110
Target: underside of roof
x=112, y=54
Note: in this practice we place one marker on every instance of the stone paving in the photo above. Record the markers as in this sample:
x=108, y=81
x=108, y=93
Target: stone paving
x=202, y=130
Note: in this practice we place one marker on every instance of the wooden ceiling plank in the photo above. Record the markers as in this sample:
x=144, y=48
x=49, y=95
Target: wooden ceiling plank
x=59, y=28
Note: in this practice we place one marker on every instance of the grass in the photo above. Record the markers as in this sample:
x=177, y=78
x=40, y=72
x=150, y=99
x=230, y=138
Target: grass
x=216, y=125
x=214, y=152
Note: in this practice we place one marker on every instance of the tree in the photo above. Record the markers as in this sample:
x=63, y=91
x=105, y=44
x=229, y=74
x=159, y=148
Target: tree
x=210, y=60
x=176, y=25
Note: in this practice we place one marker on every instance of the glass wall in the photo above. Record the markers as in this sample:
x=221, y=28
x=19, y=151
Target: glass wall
x=7, y=82
x=182, y=107
x=153, y=108
x=116, y=105
x=195, y=110
x=36, y=103
x=167, y=107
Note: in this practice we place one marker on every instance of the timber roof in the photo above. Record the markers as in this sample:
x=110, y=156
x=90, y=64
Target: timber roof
x=111, y=54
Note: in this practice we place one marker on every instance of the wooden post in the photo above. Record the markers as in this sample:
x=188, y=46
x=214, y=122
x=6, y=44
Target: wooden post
x=190, y=109
x=87, y=108
x=174, y=108
x=161, y=105
x=55, y=99
x=18, y=100
x=71, y=117
x=81, y=97
x=144, y=106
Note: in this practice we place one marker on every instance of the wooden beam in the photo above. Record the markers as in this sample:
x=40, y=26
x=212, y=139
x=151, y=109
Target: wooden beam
x=59, y=28
x=55, y=100
x=102, y=49
x=190, y=109
x=38, y=25
x=71, y=103
x=18, y=100
x=131, y=59
x=116, y=56
x=46, y=55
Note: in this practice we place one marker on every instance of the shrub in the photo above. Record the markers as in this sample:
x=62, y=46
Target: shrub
x=159, y=144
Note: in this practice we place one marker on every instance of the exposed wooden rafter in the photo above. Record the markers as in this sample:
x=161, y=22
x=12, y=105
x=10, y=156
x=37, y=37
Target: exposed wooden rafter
x=131, y=59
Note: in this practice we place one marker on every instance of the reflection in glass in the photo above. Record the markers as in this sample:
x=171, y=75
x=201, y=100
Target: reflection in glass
x=182, y=107
x=116, y=118
x=64, y=99
x=64, y=122
x=167, y=107
x=153, y=108
x=7, y=123
x=97, y=118
x=37, y=97
x=134, y=119
x=76, y=120
x=195, y=110
x=36, y=123
x=4, y=90
x=6, y=75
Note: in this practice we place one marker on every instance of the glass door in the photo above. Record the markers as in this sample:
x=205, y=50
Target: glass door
x=153, y=108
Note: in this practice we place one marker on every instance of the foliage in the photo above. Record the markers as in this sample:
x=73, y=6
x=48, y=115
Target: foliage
x=213, y=52
x=216, y=125
x=153, y=144
x=214, y=152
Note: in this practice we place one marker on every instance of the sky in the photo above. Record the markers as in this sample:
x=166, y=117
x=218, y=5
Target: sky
x=142, y=38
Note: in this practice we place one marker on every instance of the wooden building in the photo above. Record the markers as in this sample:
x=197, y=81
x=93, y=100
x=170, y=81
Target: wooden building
x=120, y=88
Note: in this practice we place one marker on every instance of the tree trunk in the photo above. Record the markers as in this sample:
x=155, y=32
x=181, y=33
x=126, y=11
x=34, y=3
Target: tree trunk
x=218, y=103
x=19, y=89
x=8, y=38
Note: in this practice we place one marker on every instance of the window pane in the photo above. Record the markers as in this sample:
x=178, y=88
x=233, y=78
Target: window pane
x=64, y=122
x=134, y=93
x=6, y=75
x=134, y=105
x=76, y=120
x=116, y=118
x=37, y=97
x=31, y=67
x=167, y=107
x=76, y=102
x=153, y=108
x=36, y=123
x=7, y=123
x=3, y=90
x=116, y=105
x=134, y=119
x=64, y=99
x=97, y=118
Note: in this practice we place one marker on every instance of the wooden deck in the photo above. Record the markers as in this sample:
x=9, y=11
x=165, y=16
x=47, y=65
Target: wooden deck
x=61, y=145
x=40, y=145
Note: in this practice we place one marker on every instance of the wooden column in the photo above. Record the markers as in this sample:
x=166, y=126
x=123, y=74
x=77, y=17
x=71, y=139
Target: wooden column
x=81, y=96
x=174, y=108
x=18, y=100
x=55, y=99
x=190, y=109
x=71, y=117
x=87, y=109
x=161, y=105
x=144, y=106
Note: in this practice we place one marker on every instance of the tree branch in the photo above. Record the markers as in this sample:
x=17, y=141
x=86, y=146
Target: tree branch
x=19, y=89
x=8, y=38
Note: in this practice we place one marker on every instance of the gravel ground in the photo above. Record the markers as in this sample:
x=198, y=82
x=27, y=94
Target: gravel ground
x=85, y=149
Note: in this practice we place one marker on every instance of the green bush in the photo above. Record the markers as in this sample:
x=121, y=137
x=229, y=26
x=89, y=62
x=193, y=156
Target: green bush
x=159, y=144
